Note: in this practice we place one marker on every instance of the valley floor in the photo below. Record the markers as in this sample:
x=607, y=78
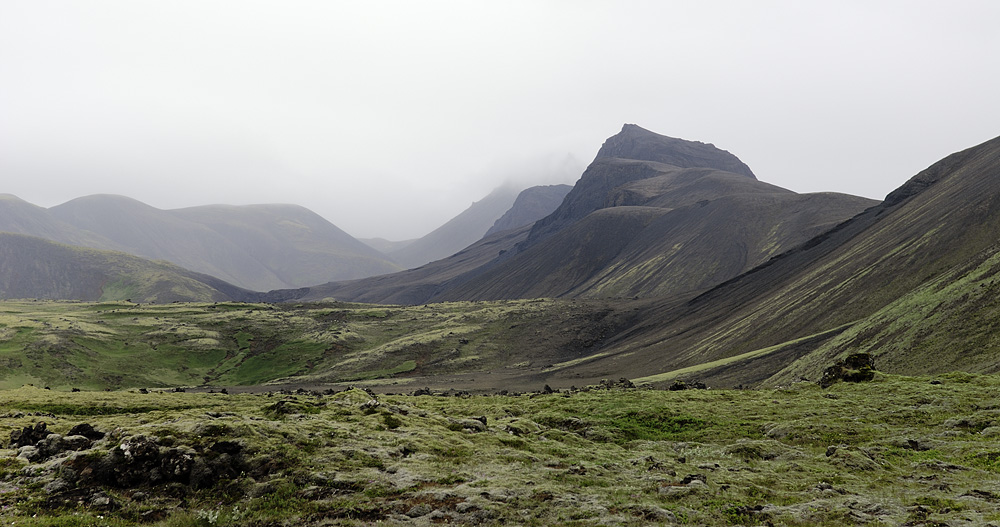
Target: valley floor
x=894, y=451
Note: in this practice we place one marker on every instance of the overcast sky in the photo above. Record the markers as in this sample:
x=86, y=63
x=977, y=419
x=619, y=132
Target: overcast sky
x=389, y=118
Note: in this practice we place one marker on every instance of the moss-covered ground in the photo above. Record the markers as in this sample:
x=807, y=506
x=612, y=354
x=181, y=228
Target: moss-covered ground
x=125, y=345
x=894, y=451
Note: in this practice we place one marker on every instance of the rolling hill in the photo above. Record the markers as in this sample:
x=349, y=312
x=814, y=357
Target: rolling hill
x=35, y=268
x=257, y=247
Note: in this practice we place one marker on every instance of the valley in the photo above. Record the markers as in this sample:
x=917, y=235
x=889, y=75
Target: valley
x=659, y=344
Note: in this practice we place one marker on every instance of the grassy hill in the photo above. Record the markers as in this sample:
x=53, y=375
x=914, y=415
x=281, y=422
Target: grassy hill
x=122, y=345
x=35, y=268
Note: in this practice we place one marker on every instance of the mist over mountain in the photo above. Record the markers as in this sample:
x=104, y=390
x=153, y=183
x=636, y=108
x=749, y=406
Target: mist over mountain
x=632, y=228
x=257, y=247
x=460, y=231
x=531, y=205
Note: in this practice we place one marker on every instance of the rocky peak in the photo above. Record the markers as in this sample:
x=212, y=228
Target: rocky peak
x=635, y=142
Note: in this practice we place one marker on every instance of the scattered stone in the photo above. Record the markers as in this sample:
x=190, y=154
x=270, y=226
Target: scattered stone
x=29, y=435
x=86, y=430
x=679, y=385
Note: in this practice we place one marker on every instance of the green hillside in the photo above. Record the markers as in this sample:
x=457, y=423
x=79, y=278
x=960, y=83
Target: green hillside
x=121, y=344
x=36, y=268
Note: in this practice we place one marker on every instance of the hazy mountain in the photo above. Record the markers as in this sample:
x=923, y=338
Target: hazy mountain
x=459, y=232
x=531, y=205
x=258, y=247
x=912, y=281
x=19, y=216
x=418, y=286
x=616, y=165
x=31, y=267
x=293, y=243
x=385, y=246
x=635, y=227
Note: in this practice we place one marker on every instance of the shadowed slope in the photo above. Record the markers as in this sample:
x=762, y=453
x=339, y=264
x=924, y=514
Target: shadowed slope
x=705, y=226
x=531, y=205
x=932, y=228
x=633, y=227
x=607, y=172
x=35, y=268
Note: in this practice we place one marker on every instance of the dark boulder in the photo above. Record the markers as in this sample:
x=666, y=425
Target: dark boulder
x=86, y=430
x=29, y=435
x=859, y=367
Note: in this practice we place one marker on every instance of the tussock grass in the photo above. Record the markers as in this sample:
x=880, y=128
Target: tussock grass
x=892, y=451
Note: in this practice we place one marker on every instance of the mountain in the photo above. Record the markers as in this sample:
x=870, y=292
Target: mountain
x=631, y=228
x=20, y=217
x=293, y=243
x=459, y=232
x=258, y=247
x=32, y=267
x=385, y=246
x=420, y=285
x=531, y=205
x=911, y=281
x=633, y=154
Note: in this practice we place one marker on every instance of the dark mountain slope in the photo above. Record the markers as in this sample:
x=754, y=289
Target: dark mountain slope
x=420, y=285
x=706, y=227
x=295, y=244
x=531, y=205
x=35, y=268
x=932, y=227
x=459, y=232
x=634, y=142
x=637, y=228
x=567, y=259
x=633, y=154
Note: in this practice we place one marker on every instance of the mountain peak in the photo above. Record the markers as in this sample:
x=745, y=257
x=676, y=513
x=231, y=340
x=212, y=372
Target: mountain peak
x=635, y=142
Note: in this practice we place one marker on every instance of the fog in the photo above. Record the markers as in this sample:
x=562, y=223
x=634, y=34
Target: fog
x=389, y=118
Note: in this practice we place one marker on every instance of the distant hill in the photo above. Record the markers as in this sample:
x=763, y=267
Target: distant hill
x=635, y=228
x=420, y=285
x=20, y=217
x=31, y=267
x=531, y=205
x=296, y=245
x=459, y=232
x=385, y=246
x=257, y=247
